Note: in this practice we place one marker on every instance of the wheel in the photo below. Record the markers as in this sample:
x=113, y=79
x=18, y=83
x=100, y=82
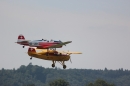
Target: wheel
x=53, y=65
x=31, y=58
x=64, y=66
x=23, y=46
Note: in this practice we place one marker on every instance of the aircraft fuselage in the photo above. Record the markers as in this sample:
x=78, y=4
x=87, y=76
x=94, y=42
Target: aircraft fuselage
x=51, y=57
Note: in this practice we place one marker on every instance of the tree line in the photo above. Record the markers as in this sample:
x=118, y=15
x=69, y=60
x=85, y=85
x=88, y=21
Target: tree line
x=33, y=75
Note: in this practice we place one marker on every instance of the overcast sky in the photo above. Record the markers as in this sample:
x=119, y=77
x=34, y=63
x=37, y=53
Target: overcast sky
x=100, y=29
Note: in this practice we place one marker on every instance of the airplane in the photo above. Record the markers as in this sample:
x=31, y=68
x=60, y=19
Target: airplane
x=41, y=44
x=59, y=56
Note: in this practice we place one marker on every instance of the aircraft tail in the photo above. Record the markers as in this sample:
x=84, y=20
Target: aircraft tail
x=21, y=38
x=31, y=50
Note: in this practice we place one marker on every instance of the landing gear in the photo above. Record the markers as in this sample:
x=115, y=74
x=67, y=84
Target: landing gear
x=53, y=65
x=61, y=62
x=64, y=66
x=31, y=58
x=23, y=46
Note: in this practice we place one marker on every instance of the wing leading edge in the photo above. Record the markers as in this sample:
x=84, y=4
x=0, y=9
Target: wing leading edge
x=58, y=45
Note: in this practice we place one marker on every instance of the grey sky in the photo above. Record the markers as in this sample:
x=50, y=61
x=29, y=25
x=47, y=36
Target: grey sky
x=100, y=29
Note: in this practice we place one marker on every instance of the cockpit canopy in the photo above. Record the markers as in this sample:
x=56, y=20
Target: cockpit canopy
x=45, y=40
x=33, y=43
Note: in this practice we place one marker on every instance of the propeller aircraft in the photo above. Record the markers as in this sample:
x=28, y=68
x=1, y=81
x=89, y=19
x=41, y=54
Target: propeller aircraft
x=41, y=44
x=59, y=56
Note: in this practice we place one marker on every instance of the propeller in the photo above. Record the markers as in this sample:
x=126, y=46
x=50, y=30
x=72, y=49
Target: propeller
x=70, y=60
x=70, y=57
x=68, y=54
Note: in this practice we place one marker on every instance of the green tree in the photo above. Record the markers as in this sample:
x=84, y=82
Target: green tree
x=90, y=84
x=29, y=85
x=100, y=82
x=59, y=82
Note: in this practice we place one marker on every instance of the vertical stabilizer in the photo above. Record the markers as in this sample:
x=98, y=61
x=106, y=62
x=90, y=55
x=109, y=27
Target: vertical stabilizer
x=21, y=38
x=31, y=50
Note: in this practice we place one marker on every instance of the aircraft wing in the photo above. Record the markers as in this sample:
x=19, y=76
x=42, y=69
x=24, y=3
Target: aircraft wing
x=69, y=52
x=73, y=52
x=58, y=45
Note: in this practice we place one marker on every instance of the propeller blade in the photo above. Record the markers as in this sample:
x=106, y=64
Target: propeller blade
x=70, y=60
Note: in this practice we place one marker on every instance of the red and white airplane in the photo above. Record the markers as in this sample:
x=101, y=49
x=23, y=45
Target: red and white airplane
x=41, y=44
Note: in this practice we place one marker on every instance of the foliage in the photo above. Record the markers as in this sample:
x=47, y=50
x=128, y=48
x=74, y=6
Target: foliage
x=100, y=82
x=59, y=82
x=40, y=76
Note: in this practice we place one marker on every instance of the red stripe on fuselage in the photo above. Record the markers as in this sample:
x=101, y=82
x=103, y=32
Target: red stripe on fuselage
x=46, y=44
